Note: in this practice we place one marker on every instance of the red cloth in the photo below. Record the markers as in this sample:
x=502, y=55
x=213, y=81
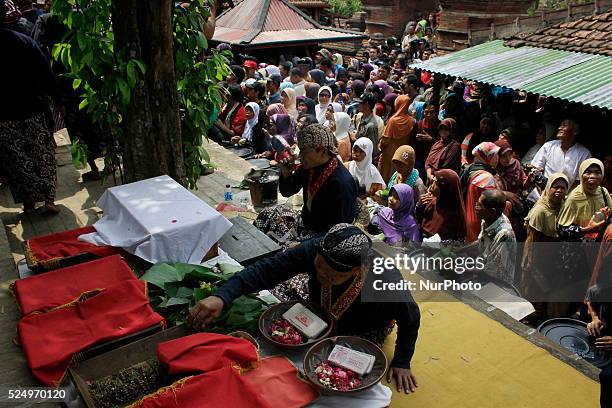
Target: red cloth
x=205, y=352
x=277, y=381
x=43, y=251
x=62, y=286
x=220, y=388
x=51, y=339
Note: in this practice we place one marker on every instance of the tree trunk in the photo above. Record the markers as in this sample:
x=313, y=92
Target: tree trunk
x=152, y=132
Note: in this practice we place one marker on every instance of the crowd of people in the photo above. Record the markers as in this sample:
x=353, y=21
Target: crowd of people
x=377, y=144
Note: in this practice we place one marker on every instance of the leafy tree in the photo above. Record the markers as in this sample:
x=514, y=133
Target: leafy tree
x=345, y=8
x=140, y=70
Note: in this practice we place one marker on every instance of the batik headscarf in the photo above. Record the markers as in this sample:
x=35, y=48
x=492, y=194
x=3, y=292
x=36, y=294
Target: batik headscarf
x=285, y=127
x=582, y=203
x=486, y=157
x=251, y=123
x=343, y=247
x=317, y=76
x=290, y=105
x=364, y=171
x=400, y=223
x=543, y=216
x=276, y=109
x=445, y=215
x=321, y=109
x=343, y=123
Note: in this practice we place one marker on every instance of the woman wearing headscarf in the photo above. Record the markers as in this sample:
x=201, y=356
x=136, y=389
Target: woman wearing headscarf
x=288, y=100
x=384, y=86
x=324, y=98
x=397, y=220
x=441, y=211
x=366, y=70
x=362, y=169
x=476, y=178
x=577, y=223
x=306, y=106
x=286, y=85
x=374, y=76
x=253, y=132
x=539, y=271
x=323, y=179
x=584, y=201
x=284, y=126
x=485, y=133
x=338, y=61
x=511, y=178
x=340, y=127
x=446, y=152
x=318, y=76
x=389, y=101
x=396, y=133
x=426, y=137
x=405, y=173
x=276, y=109
x=312, y=90
x=332, y=108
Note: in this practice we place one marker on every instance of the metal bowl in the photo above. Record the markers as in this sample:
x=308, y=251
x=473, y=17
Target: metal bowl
x=320, y=352
x=276, y=312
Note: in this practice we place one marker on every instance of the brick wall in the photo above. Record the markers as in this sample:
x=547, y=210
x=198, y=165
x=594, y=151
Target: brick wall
x=389, y=17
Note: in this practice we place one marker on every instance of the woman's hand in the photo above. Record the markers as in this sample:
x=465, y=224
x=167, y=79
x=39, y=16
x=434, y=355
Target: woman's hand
x=594, y=328
x=235, y=139
x=593, y=226
x=405, y=380
x=424, y=137
x=426, y=198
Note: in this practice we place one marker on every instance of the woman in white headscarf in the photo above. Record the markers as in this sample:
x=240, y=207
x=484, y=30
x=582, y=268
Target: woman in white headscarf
x=332, y=108
x=339, y=61
x=362, y=169
x=288, y=99
x=324, y=96
x=253, y=132
x=340, y=125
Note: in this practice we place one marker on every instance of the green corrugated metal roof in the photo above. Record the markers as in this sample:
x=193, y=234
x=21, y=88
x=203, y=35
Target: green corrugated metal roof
x=572, y=76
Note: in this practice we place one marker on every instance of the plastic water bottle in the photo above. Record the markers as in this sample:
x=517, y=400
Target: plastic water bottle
x=228, y=196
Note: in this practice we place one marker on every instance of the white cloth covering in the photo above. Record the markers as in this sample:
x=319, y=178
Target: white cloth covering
x=158, y=220
x=364, y=171
x=378, y=396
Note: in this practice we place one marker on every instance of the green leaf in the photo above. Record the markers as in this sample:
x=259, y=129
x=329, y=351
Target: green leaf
x=176, y=301
x=202, y=41
x=76, y=83
x=82, y=40
x=199, y=294
x=160, y=274
x=140, y=66
x=83, y=104
x=184, y=292
x=131, y=74
x=125, y=91
x=230, y=269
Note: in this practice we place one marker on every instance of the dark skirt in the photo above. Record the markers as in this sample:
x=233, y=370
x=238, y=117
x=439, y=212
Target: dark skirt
x=27, y=151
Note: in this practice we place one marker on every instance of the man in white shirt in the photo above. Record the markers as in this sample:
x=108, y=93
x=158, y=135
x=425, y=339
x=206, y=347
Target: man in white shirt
x=564, y=154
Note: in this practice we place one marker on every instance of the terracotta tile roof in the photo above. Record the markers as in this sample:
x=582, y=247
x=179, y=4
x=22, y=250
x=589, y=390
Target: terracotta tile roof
x=592, y=34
